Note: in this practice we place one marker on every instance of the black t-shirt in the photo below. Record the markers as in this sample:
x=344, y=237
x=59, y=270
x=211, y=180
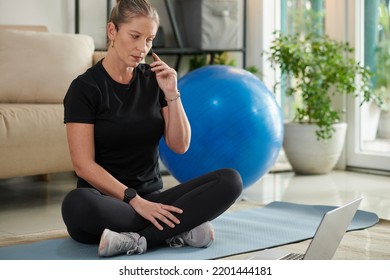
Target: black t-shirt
x=128, y=123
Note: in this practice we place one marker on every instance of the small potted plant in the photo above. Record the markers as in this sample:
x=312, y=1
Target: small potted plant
x=221, y=58
x=317, y=68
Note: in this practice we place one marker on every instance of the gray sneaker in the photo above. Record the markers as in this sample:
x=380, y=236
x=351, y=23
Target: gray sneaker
x=114, y=243
x=200, y=236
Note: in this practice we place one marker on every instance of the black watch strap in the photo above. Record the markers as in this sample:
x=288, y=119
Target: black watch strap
x=129, y=195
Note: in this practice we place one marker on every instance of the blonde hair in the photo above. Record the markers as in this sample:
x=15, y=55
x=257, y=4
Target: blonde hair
x=125, y=10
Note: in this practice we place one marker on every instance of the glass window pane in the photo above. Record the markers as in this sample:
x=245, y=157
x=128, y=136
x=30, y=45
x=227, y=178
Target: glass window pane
x=299, y=16
x=375, y=118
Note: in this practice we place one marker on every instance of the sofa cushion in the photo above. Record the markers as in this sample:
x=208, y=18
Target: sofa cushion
x=33, y=140
x=38, y=67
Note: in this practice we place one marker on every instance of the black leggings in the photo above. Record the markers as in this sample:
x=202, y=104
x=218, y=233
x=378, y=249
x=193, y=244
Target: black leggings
x=87, y=213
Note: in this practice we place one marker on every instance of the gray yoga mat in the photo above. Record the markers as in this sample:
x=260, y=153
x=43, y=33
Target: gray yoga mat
x=278, y=223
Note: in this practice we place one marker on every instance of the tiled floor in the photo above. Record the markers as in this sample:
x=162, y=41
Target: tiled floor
x=31, y=206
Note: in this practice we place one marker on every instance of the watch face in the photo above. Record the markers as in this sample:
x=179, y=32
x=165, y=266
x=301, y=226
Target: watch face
x=130, y=193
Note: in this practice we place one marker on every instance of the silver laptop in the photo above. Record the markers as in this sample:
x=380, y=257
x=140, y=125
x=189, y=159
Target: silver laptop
x=326, y=240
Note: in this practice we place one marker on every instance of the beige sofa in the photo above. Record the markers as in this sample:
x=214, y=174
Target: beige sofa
x=36, y=69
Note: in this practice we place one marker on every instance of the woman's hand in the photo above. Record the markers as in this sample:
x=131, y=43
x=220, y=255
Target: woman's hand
x=156, y=212
x=166, y=76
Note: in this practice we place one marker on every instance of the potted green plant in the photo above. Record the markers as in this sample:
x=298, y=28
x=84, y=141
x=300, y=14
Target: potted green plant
x=317, y=68
x=221, y=58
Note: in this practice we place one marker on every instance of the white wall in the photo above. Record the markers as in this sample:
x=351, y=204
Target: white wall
x=55, y=14
x=58, y=16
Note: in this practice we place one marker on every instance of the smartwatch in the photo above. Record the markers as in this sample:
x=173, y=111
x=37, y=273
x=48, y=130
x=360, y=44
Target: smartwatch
x=129, y=195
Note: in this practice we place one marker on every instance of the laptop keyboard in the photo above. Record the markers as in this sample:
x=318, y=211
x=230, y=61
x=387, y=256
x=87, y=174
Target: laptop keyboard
x=293, y=256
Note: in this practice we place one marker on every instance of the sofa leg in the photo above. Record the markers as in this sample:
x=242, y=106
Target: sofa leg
x=44, y=177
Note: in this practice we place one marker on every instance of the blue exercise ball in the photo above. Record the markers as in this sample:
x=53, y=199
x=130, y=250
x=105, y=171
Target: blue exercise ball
x=235, y=121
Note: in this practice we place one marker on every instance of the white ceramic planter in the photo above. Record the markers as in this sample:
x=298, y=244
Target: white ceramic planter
x=370, y=114
x=384, y=125
x=306, y=154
